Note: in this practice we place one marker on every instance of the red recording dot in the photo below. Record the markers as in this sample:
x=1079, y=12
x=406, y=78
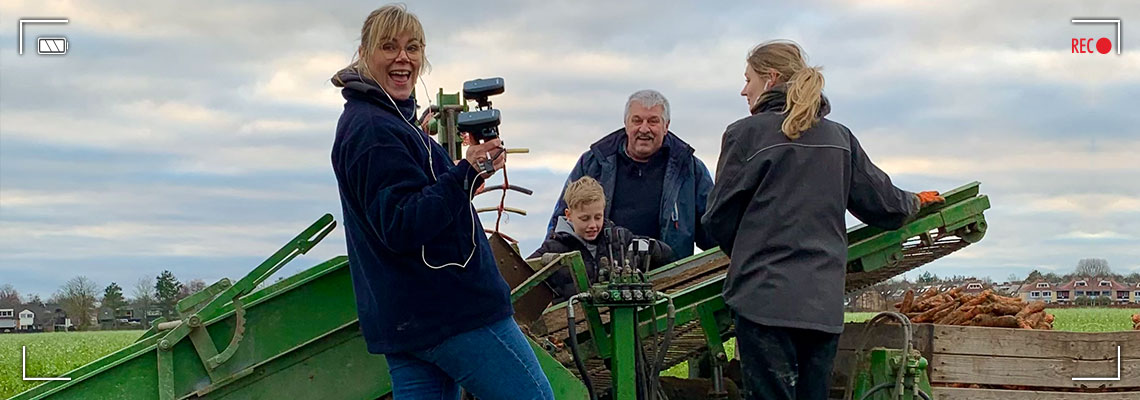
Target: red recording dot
x=1103, y=45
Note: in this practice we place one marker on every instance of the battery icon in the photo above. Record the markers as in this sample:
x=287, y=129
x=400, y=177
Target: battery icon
x=49, y=45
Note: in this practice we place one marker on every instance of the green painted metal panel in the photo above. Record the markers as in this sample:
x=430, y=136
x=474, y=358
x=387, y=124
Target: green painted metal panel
x=624, y=380
x=278, y=320
x=602, y=346
x=707, y=316
x=963, y=204
x=565, y=384
x=302, y=339
x=337, y=366
x=964, y=192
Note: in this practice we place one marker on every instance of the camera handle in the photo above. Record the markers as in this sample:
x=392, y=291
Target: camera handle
x=488, y=165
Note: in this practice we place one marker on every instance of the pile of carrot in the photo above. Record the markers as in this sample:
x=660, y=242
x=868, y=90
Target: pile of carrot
x=982, y=309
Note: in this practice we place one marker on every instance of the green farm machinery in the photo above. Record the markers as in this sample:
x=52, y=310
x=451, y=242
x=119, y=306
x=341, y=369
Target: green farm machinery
x=299, y=338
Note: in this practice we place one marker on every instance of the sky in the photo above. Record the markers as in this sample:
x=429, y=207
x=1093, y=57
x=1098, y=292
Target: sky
x=195, y=136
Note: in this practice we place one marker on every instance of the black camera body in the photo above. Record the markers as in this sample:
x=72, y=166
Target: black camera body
x=481, y=89
x=483, y=123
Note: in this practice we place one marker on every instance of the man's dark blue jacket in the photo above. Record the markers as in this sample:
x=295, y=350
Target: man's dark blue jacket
x=398, y=218
x=685, y=189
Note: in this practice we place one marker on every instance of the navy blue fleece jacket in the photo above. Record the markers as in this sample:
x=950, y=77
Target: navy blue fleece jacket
x=397, y=216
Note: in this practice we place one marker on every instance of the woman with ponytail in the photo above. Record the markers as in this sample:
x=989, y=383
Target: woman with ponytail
x=785, y=177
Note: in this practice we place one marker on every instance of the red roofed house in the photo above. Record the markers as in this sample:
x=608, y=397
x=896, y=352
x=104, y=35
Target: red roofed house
x=1094, y=288
x=1042, y=291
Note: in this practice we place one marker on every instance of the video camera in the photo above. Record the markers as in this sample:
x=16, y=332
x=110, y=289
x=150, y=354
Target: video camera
x=483, y=123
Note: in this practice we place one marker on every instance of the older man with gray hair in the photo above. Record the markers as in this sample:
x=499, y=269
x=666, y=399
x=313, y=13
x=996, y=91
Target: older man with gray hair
x=655, y=185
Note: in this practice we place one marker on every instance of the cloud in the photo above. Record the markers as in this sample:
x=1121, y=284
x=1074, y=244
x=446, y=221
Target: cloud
x=176, y=112
x=195, y=136
x=302, y=79
x=271, y=126
x=1101, y=237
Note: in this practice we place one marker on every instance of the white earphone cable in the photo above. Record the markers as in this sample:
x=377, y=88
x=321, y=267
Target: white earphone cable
x=431, y=168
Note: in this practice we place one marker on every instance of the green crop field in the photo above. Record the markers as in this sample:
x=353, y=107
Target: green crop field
x=1092, y=319
x=53, y=354
x=1067, y=319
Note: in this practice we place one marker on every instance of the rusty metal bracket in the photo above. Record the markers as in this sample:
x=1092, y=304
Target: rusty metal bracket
x=516, y=271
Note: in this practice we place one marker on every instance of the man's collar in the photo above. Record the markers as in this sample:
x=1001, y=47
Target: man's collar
x=662, y=152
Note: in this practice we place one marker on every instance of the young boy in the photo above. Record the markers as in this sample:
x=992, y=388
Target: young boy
x=582, y=229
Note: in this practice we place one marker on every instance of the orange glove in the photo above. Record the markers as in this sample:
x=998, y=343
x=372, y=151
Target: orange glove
x=929, y=197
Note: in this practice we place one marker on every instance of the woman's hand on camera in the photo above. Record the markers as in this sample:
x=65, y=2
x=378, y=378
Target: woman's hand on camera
x=425, y=123
x=478, y=153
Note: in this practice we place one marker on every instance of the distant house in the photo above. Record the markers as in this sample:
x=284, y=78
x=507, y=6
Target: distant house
x=27, y=320
x=8, y=321
x=1093, y=287
x=1007, y=288
x=895, y=296
x=1040, y=291
x=11, y=321
x=1121, y=293
x=52, y=318
x=869, y=300
x=974, y=287
x=1075, y=288
x=127, y=316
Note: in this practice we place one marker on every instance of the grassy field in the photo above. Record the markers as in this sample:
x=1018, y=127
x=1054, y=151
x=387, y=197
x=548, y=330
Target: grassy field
x=53, y=354
x=1067, y=319
x=1092, y=319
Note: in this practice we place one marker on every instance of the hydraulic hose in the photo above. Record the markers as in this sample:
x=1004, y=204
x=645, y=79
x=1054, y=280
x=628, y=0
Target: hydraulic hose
x=655, y=374
x=642, y=368
x=578, y=361
x=670, y=320
x=907, y=331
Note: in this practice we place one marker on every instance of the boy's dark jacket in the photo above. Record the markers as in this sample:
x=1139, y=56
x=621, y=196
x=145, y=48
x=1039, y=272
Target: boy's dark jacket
x=684, y=191
x=564, y=240
x=397, y=215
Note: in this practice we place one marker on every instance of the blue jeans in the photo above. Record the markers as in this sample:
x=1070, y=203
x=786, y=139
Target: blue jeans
x=494, y=362
x=784, y=363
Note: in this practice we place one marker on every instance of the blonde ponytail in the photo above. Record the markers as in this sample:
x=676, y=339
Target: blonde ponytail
x=805, y=84
x=804, y=91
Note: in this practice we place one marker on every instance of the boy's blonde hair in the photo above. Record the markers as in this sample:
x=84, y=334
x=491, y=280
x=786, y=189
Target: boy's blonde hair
x=583, y=191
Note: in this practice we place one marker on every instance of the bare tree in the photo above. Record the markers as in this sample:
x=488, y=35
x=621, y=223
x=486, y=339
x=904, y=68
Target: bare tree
x=194, y=286
x=34, y=299
x=1133, y=278
x=9, y=297
x=77, y=296
x=1092, y=268
x=143, y=297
